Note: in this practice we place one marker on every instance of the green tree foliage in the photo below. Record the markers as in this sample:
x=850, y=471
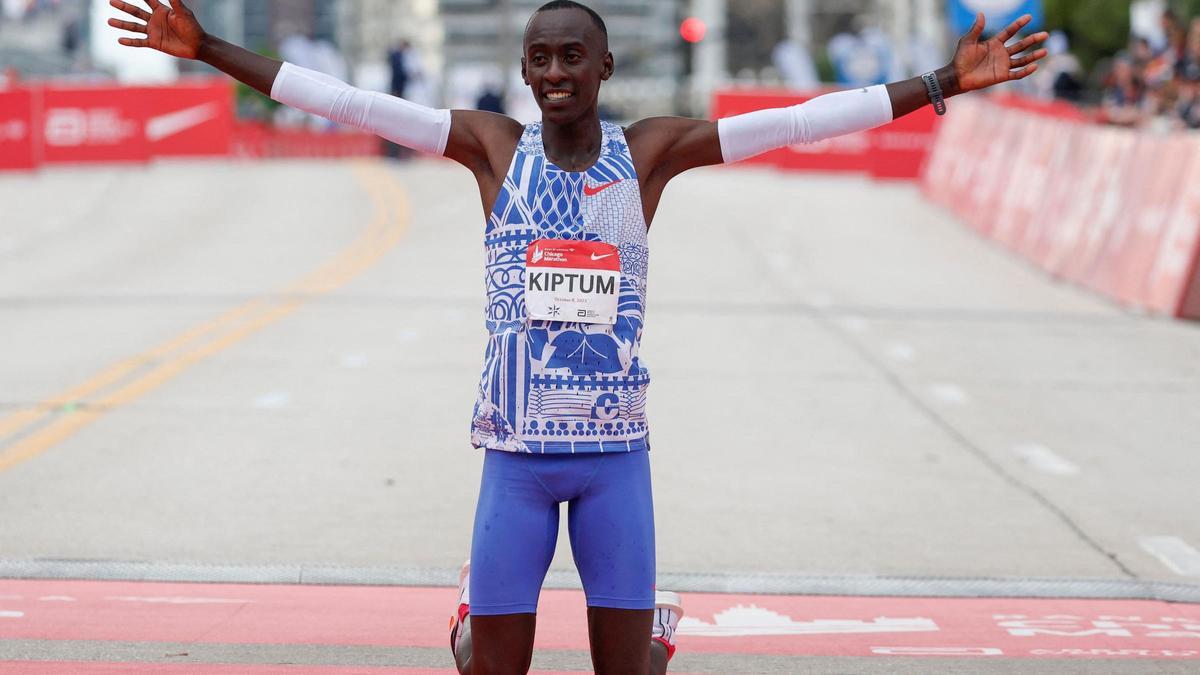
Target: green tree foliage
x=1100, y=28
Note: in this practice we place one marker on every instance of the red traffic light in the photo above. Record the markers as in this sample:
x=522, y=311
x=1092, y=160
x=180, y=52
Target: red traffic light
x=693, y=29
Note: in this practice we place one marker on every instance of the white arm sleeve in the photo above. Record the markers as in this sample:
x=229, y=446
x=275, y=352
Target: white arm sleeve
x=823, y=117
x=400, y=121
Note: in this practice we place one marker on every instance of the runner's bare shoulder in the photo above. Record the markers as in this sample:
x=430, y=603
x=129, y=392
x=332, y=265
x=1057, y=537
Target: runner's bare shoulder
x=480, y=137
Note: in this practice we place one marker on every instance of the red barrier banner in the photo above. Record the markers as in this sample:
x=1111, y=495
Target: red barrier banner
x=1173, y=286
x=1115, y=210
x=253, y=140
x=897, y=150
x=18, y=142
x=94, y=124
x=190, y=119
x=1106, y=201
x=1153, y=187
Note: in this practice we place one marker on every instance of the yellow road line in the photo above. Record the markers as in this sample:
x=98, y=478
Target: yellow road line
x=383, y=233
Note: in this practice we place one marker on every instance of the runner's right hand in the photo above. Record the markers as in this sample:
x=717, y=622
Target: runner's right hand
x=170, y=29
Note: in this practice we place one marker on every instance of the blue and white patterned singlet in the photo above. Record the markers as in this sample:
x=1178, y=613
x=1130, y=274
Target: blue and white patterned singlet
x=552, y=386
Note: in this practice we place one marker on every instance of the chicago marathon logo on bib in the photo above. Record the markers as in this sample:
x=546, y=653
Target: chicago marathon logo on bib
x=575, y=281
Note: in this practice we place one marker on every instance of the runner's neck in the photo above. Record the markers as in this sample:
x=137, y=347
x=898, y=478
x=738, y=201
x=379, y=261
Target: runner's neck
x=574, y=146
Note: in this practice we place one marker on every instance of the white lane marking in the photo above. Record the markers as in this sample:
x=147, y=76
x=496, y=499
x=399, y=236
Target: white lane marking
x=354, y=361
x=56, y=598
x=950, y=394
x=899, y=351
x=274, y=400
x=176, y=600
x=742, y=621
x=1173, y=552
x=1045, y=460
x=937, y=651
x=10, y=614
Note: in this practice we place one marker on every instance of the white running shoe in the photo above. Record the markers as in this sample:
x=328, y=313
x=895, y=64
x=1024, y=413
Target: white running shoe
x=460, y=624
x=668, y=610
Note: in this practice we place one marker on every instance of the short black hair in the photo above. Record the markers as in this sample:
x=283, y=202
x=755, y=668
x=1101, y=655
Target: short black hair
x=571, y=4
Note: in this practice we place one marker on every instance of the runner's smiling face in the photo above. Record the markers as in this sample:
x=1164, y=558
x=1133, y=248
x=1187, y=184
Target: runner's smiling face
x=566, y=59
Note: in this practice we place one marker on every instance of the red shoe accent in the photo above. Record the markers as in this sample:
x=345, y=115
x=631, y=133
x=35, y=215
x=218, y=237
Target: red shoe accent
x=670, y=647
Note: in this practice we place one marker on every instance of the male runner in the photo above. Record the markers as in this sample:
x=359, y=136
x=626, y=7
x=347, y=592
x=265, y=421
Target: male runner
x=561, y=407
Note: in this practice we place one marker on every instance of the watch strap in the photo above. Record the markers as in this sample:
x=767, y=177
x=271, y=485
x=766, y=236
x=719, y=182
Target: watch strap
x=934, y=88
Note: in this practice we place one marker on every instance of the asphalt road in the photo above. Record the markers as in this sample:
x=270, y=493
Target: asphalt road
x=256, y=367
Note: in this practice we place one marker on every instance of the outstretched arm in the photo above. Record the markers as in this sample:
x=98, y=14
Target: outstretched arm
x=666, y=147
x=173, y=29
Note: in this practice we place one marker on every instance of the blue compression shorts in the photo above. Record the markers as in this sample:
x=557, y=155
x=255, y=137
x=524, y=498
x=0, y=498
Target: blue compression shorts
x=610, y=519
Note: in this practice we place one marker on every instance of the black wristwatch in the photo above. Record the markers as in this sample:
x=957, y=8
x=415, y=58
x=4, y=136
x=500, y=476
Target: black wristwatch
x=935, y=92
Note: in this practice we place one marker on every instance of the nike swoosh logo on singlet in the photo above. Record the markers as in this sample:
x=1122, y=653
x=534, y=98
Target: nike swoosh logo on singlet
x=602, y=257
x=593, y=191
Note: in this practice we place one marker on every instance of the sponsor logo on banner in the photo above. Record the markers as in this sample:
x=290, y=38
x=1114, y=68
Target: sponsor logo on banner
x=74, y=127
x=94, y=124
x=170, y=124
x=190, y=119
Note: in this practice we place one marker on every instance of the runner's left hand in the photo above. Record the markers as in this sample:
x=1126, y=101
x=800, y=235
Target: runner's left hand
x=982, y=64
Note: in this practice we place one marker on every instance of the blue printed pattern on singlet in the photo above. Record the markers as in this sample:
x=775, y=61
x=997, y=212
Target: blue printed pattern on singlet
x=554, y=386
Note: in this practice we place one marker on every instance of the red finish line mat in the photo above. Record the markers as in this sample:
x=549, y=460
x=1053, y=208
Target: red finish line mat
x=74, y=611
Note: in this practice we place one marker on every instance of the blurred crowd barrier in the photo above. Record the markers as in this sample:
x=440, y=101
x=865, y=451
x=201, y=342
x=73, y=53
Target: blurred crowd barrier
x=58, y=124
x=1114, y=210
x=897, y=150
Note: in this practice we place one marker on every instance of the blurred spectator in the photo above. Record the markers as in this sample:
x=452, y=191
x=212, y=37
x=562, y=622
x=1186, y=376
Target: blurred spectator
x=491, y=100
x=1060, y=75
x=1158, y=88
x=10, y=78
x=795, y=65
x=1125, y=96
x=1188, y=67
x=398, y=61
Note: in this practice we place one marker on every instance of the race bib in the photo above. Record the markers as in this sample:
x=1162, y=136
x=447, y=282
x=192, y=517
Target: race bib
x=577, y=281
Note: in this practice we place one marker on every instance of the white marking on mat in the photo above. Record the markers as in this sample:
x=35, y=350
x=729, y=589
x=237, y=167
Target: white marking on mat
x=176, y=600
x=56, y=598
x=1045, y=460
x=1173, y=552
x=274, y=400
x=742, y=621
x=11, y=615
x=900, y=351
x=950, y=394
x=937, y=651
